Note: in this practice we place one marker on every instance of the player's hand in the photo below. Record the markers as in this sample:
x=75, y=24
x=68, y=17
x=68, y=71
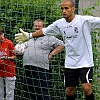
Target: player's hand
x=4, y=58
x=23, y=36
x=50, y=56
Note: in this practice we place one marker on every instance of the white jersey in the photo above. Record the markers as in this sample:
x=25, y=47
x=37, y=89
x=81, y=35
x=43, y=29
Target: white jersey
x=77, y=39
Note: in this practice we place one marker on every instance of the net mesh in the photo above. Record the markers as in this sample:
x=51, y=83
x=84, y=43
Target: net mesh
x=15, y=14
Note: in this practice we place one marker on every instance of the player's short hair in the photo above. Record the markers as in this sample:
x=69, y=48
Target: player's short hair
x=71, y=1
x=39, y=20
x=1, y=30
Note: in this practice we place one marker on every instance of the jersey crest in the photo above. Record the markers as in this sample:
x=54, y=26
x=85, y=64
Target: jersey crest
x=76, y=29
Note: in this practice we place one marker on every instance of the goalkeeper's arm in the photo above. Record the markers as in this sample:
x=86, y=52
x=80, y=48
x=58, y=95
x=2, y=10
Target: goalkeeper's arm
x=25, y=36
x=38, y=33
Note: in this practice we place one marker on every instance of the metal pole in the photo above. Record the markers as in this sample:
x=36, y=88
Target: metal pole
x=76, y=6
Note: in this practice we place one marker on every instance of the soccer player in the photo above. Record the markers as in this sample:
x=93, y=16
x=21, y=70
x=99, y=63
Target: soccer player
x=75, y=30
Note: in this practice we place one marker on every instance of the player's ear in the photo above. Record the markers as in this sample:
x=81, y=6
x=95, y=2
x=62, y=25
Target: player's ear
x=73, y=8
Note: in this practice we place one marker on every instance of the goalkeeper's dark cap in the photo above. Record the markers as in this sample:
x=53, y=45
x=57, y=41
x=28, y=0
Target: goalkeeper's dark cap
x=1, y=30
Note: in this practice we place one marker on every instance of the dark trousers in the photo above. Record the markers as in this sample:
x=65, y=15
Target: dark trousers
x=36, y=83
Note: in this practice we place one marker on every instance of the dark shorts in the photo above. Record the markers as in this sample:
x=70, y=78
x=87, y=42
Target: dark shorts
x=72, y=76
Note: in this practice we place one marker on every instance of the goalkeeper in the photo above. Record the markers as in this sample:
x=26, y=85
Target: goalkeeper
x=75, y=30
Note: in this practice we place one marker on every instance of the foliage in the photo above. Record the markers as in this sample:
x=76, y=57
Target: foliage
x=17, y=14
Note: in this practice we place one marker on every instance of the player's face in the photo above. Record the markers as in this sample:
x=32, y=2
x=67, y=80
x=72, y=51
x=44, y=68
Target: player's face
x=67, y=10
x=1, y=37
x=38, y=25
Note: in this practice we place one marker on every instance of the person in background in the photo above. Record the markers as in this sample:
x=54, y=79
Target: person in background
x=7, y=68
x=36, y=59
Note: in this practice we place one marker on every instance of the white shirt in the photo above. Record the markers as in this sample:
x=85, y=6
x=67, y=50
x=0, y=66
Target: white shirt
x=77, y=39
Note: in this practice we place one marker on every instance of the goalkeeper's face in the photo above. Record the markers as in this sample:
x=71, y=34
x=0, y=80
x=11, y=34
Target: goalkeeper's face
x=67, y=9
x=38, y=25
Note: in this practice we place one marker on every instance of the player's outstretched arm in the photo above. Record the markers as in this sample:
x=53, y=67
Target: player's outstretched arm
x=25, y=36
